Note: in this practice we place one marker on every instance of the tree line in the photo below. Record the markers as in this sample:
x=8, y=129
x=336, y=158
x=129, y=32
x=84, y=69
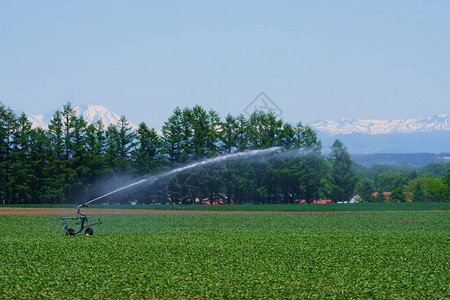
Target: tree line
x=72, y=161
x=401, y=183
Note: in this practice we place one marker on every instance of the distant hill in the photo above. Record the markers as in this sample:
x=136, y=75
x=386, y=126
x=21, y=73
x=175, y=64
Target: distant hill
x=420, y=142
x=413, y=159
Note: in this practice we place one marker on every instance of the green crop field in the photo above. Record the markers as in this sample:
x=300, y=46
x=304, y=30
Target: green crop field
x=287, y=255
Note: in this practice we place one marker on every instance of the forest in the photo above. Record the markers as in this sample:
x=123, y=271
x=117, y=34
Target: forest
x=72, y=162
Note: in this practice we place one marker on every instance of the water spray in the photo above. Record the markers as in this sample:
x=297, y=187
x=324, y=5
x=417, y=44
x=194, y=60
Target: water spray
x=217, y=159
x=83, y=220
x=113, y=192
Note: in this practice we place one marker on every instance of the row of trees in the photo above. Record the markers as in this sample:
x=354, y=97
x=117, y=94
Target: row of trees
x=73, y=161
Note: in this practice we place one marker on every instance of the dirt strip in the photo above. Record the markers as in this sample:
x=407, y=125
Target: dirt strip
x=27, y=211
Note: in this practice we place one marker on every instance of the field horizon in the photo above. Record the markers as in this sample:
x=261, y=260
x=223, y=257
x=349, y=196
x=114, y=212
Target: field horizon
x=375, y=206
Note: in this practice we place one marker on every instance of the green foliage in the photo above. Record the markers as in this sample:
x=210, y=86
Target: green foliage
x=434, y=170
x=344, y=255
x=228, y=134
x=365, y=188
x=67, y=162
x=375, y=170
x=427, y=189
x=342, y=179
x=147, y=154
x=398, y=195
x=418, y=192
x=389, y=181
x=172, y=131
x=447, y=183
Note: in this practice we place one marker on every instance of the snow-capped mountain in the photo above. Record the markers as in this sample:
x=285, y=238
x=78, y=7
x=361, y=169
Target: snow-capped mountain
x=346, y=126
x=90, y=112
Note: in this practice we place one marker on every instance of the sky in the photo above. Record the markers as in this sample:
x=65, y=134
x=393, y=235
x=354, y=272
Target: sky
x=314, y=60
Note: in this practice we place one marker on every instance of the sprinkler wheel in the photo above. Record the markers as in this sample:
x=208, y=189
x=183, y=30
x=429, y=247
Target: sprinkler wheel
x=88, y=231
x=70, y=231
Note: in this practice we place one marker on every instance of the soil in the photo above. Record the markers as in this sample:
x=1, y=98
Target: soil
x=108, y=211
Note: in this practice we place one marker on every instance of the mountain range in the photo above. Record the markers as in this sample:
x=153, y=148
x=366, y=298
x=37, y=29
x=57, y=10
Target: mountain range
x=430, y=134
x=345, y=126
x=90, y=112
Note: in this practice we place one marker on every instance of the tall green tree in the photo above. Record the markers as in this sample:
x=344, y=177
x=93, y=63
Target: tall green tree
x=212, y=133
x=68, y=118
x=242, y=134
x=126, y=143
x=287, y=137
x=79, y=160
x=305, y=137
x=172, y=131
x=21, y=175
x=78, y=138
x=447, y=184
x=120, y=142
x=68, y=132
x=56, y=181
x=95, y=147
x=55, y=130
x=313, y=168
x=7, y=124
x=40, y=157
x=200, y=132
x=418, y=193
x=112, y=146
x=263, y=130
x=342, y=177
x=147, y=153
x=227, y=135
x=187, y=137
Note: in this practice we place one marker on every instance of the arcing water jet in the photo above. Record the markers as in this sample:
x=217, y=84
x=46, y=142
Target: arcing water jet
x=217, y=159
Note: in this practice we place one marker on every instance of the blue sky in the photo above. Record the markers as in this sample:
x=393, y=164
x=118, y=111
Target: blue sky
x=315, y=59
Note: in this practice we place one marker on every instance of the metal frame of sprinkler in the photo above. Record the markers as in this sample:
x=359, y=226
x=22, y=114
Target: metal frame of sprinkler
x=81, y=220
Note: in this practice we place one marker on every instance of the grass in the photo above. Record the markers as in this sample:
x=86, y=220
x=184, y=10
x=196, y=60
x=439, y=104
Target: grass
x=346, y=255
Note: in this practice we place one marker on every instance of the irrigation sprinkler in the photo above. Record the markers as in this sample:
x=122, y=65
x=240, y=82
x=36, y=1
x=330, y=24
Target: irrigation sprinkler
x=81, y=220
